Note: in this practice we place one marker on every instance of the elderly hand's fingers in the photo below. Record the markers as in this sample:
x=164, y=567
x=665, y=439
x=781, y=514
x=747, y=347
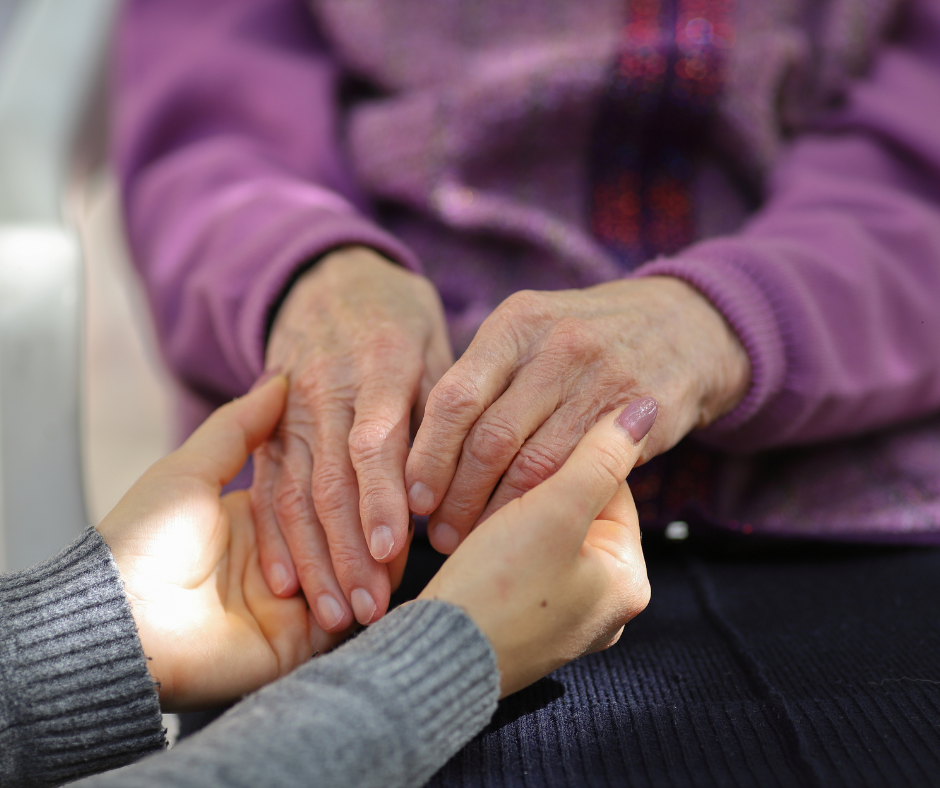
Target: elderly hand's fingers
x=336, y=501
x=296, y=520
x=569, y=501
x=489, y=449
x=396, y=567
x=283, y=622
x=378, y=448
x=454, y=405
x=543, y=453
x=276, y=563
x=216, y=451
x=438, y=358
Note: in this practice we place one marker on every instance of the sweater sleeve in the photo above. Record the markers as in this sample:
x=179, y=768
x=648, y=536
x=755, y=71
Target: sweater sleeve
x=385, y=710
x=226, y=142
x=75, y=693
x=833, y=287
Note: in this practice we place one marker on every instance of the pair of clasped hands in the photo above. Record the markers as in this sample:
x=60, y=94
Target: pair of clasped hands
x=549, y=564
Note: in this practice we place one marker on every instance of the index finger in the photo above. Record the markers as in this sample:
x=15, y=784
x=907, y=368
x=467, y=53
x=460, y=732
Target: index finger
x=474, y=383
x=592, y=475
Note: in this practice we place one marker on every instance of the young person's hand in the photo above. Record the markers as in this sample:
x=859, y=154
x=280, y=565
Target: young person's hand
x=558, y=572
x=363, y=341
x=209, y=625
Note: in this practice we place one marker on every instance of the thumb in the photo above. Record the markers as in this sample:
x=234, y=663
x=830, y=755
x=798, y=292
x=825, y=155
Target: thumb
x=571, y=500
x=216, y=451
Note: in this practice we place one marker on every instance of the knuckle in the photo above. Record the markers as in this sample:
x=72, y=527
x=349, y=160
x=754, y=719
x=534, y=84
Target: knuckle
x=492, y=440
x=368, y=438
x=291, y=503
x=348, y=562
x=523, y=302
x=332, y=492
x=389, y=346
x=451, y=397
x=571, y=338
x=533, y=465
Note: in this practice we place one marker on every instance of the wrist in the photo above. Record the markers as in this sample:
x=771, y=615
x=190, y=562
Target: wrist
x=714, y=351
x=726, y=365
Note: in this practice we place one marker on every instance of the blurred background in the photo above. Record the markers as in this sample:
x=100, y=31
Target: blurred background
x=124, y=398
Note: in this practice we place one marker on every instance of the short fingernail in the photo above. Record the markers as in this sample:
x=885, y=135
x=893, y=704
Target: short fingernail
x=444, y=538
x=638, y=417
x=278, y=578
x=420, y=498
x=329, y=611
x=381, y=543
x=363, y=605
x=265, y=377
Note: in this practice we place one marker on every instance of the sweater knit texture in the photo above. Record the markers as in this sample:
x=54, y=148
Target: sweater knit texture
x=388, y=708
x=76, y=697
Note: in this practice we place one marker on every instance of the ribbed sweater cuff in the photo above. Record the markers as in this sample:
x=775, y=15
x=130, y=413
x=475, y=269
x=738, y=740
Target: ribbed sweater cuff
x=430, y=661
x=743, y=302
x=75, y=694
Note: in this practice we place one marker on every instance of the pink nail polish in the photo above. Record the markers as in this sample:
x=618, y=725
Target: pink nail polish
x=638, y=417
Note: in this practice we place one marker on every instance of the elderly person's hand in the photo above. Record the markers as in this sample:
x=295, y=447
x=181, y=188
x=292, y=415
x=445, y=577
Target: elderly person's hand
x=210, y=626
x=362, y=341
x=558, y=572
x=543, y=368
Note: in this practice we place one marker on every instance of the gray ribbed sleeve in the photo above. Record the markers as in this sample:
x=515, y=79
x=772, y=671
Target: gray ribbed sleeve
x=75, y=693
x=387, y=710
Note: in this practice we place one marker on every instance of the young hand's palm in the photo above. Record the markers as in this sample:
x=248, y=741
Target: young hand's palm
x=208, y=623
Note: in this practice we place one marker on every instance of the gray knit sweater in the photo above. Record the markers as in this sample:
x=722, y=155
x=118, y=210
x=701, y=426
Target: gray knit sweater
x=386, y=709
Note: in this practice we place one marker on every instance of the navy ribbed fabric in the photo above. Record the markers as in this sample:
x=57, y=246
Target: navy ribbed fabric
x=756, y=664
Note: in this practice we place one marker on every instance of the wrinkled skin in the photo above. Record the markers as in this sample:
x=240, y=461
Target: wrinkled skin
x=365, y=347
x=363, y=342
x=556, y=573
x=540, y=372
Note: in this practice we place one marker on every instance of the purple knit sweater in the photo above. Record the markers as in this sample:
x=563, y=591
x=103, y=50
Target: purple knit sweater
x=252, y=136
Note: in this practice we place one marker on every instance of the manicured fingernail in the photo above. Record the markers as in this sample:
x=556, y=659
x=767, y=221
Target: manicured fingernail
x=381, y=543
x=329, y=611
x=444, y=538
x=265, y=377
x=638, y=417
x=420, y=498
x=363, y=605
x=278, y=578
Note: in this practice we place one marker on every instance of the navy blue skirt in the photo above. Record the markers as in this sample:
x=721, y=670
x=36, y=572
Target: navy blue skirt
x=757, y=663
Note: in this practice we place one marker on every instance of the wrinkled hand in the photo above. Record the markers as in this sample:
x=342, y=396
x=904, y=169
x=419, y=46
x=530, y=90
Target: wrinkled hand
x=207, y=621
x=363, y=341
x=558, y=572
x=543, y=368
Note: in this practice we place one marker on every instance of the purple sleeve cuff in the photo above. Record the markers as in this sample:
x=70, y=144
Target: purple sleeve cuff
x=745, y=305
